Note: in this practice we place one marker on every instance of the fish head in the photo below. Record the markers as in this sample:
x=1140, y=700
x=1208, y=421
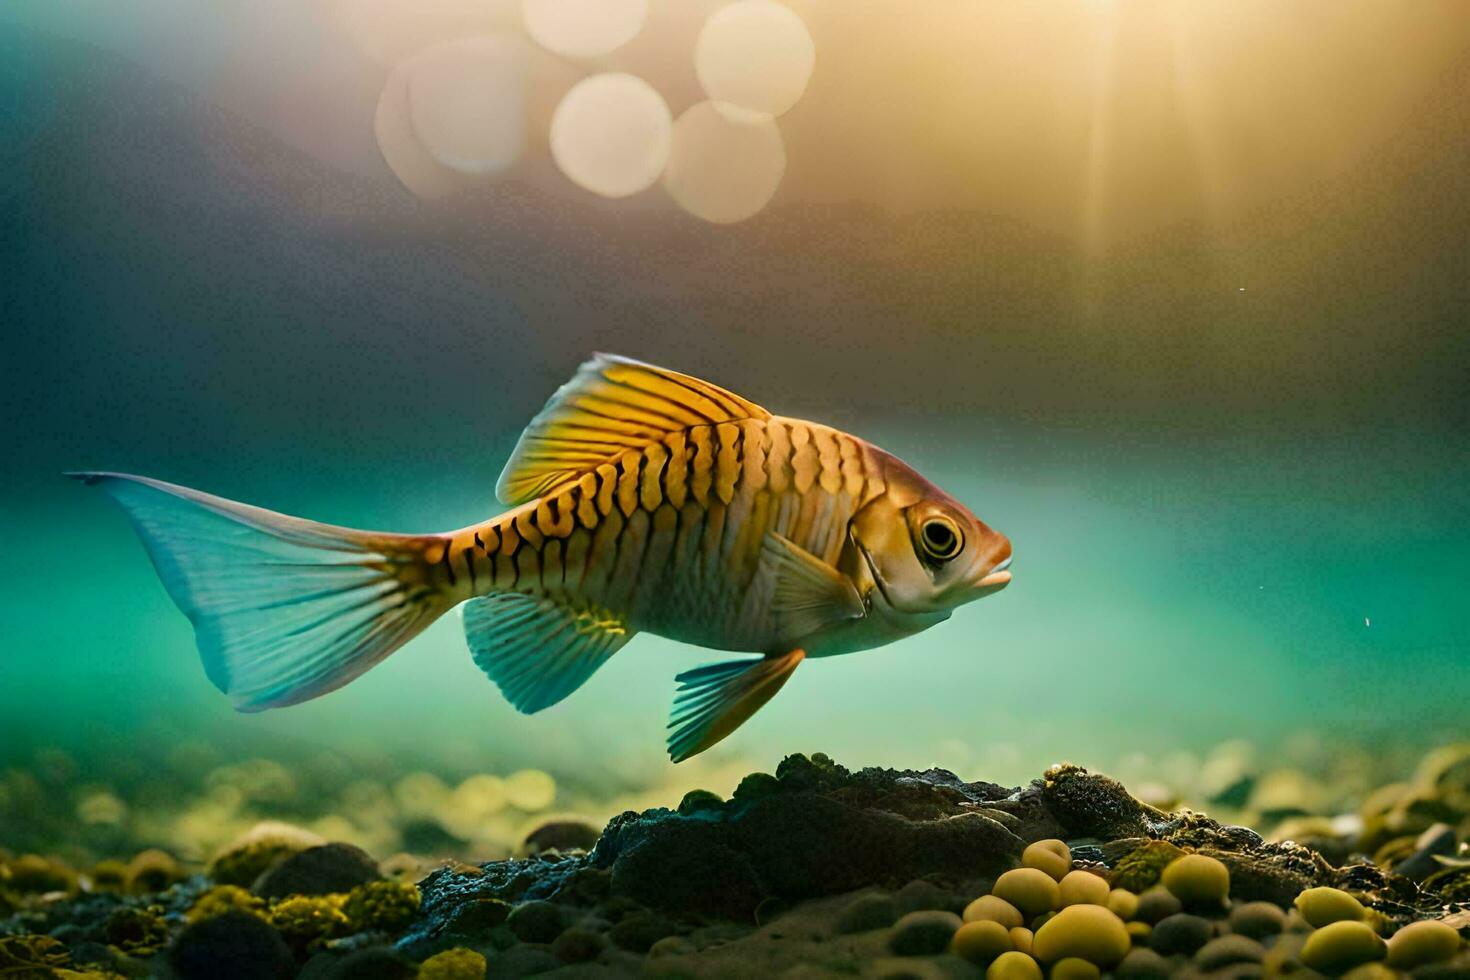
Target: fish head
x=925, y=551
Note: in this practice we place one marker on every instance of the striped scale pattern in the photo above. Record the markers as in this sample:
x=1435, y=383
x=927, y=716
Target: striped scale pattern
x=668, y=536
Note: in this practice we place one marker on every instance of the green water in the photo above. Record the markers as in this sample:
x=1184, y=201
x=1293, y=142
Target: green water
x=1232, y=461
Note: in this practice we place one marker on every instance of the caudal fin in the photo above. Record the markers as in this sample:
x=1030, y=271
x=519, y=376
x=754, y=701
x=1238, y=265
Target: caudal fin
x=284, y=609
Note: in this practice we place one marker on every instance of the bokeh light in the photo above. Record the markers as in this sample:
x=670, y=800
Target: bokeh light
x=467, y=102
x=724, y=168
x=584, y=28
x=389, y=31
x=611, y=134
x=413, y=165
x=755, y=54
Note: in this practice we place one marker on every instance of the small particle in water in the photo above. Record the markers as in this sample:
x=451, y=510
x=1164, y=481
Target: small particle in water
x=1365, y=621
x=1242, y=289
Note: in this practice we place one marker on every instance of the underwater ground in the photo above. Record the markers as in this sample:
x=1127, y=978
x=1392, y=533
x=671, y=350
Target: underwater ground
x=1319, y=861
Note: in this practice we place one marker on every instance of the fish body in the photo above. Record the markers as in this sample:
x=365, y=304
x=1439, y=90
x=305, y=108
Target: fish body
x=643, y=500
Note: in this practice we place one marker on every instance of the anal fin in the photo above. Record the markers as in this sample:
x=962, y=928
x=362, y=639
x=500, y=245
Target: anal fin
x=538, y=650
x=715, y=700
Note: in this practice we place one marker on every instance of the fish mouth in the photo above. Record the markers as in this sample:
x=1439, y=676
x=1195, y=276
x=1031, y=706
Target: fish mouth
x=998, y=576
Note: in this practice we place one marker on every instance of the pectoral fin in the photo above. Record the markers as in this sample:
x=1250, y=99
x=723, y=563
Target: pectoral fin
x=809, y=594
x=715, y=700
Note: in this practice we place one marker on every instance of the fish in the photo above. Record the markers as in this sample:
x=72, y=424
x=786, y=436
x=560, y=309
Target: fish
x=641, y=500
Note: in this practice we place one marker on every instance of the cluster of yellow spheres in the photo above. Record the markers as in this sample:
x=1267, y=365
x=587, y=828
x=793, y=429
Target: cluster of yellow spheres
x=1046, y=918
x=462, y=109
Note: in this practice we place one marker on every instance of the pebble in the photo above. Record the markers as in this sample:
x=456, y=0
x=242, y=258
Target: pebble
x=671, y=946
x=578, y=945
x=921, y=896
x=1338, y=946
x=1123, y=903
x=1180, y=933
x=1030, y=890
x=981, y=941
x=458, y=963
x=535, y=922
x=1144, y=964
x=1050, y=856
x=1090, y=932
x=923, y=933
x=1155, y=905
x=1227, y=950
x=874, y=910
x=1324, y=906
x=323, y=870
x=1371, y=971
x=1139, y=932
x=1083, y=888
x=1257, y=919
x=1422, y=942
x=638, y=931
x=1197, y=880
x=1074, y=968
x=1022, y=939
x=235, y=944
x=994, y=909
x=1013, y=966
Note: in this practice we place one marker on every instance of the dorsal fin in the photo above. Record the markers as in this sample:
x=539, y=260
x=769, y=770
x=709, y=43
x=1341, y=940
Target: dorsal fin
x=611, y=405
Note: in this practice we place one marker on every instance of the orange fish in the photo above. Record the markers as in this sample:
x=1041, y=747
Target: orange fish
x=642, y=500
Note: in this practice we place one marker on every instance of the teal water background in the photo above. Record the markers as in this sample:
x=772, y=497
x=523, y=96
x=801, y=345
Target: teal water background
x=1233, y=461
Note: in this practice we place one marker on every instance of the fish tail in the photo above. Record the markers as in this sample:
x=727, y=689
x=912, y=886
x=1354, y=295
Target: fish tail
x=284, y=609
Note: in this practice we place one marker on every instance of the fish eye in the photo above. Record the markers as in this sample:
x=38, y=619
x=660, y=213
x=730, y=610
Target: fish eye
x=940, y=538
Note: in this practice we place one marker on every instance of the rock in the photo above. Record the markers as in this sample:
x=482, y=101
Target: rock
x=1074, y=968
x=1030, y=890
x=1089, y=932
x=1122, y=903
x=522, y=961
x=578, y=945
x=1013, y=966
x=1422, y=942
x=232, y=946
x=454, y=964
x=923, y=933
x=868, y=911
x=1051, y=856
x=1180, y=934
x=1197, y=881
x=640, y=930
x=563, y=834
x=699, y=800
x=1155, y=905
x=1257, y=919
x=536, y=922
x=152, y=870
x=1322, y=906
x=995, y=909
x=320, y=870
x=250, y=855
x=980, y=941
x=1227, y=950
x=1436, y=841
x=1342, y=945
x=1083, y=888
x=1093, y=805
x=374, y=963
x=1144, y=964
x=1140, y=866
x=922, y=896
